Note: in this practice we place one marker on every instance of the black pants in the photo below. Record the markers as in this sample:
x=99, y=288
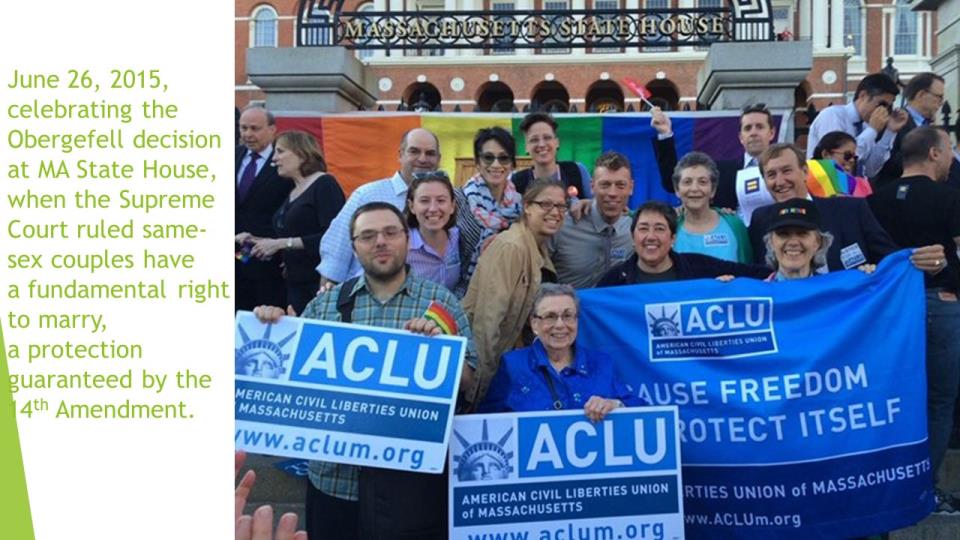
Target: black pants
x=394, y=505
x=330, y=518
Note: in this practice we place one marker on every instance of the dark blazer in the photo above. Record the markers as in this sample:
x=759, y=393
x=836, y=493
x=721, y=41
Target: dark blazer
x=893, y=168
x=266, y=195
x=726, y=197
x=848, y=219
x=257, y=281
x=687, y=265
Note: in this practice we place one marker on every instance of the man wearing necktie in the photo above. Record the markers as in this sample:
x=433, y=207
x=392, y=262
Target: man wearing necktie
x=924, y=97
x=869, y=118
x=260, y=191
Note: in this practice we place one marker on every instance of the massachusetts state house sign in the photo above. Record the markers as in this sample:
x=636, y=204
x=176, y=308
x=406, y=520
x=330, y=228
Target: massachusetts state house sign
x=323, y=23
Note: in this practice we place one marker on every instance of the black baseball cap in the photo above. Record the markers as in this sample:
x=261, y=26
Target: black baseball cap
x=800, y=213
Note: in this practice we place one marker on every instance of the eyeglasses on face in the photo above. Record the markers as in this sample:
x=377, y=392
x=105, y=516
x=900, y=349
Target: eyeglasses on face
x=488, y=158
x=551, y=318
x=370, y=236
x=549, y=206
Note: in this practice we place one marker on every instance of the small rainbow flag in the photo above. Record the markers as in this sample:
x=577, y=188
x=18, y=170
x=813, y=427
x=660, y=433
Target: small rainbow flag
x=439, y=314
x=825, y=178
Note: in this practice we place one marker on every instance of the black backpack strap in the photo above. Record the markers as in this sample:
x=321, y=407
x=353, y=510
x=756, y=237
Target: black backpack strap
x=345, y=300
x=570, y=175
x=521, y=179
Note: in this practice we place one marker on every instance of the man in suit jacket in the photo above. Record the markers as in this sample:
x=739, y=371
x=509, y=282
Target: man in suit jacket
x=924, y=97
x=756, y=134
x=857, y=236
x=260, y=192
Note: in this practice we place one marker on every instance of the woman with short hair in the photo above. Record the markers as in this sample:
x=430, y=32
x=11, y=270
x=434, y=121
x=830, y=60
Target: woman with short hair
x=554, y=373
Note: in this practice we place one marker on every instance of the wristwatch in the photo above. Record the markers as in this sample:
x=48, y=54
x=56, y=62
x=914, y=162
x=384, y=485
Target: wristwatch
x=289, y=243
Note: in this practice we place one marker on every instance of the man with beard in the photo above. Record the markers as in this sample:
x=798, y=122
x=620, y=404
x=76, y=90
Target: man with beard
x=343, y=501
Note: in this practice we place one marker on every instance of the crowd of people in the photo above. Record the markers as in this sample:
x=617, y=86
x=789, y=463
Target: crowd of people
x=506, y=252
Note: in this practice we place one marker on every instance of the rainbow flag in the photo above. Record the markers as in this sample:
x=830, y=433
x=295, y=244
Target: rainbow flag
x=826, y=178
x=363, y=146
x=439, y=314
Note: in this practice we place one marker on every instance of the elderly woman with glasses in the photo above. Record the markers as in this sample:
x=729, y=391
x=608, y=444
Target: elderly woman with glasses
x=700, y=227
x=508, y=276
x=494, y=201
x=554, y=373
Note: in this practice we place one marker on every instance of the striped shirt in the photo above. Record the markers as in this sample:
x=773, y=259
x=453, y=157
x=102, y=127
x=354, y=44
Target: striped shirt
x=410, y=302
x=428, y=264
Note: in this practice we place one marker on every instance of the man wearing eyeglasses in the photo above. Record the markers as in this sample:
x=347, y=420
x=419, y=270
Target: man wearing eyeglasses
x=344, y=502
x=869, y=118
x=419, y=153
x=924, y=97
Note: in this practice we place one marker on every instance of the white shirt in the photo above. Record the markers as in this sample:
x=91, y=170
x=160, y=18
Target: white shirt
x=871, y=152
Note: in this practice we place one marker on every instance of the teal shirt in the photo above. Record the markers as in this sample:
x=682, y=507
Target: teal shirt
x=727, y=241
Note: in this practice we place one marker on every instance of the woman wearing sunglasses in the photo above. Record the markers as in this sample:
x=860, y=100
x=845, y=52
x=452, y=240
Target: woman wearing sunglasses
x=493, y=199
x=500, y=296
x=840, y=147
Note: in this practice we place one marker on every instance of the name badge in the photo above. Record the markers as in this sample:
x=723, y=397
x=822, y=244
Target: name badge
x=852, y=257
x=618, y=253
x=716, y=240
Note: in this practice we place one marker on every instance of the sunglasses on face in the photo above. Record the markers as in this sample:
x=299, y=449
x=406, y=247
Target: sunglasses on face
x=845, y=156
x=488, y=159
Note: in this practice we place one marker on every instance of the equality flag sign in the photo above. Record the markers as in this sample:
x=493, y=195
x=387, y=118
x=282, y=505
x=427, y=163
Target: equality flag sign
x=558, y=475
x=802, y=403
x=345, y=393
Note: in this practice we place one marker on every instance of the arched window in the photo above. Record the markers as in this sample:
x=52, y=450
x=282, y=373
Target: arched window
x=905, y=39
x=264, y=27
x=365, y=53
x=853, y=26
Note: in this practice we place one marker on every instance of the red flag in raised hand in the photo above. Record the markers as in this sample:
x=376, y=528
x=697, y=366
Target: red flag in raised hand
x=637, y=88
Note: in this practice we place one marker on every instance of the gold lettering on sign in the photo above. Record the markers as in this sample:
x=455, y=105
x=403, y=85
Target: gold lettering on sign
x=668, y=26
x=648, y=26
x=703, y=25
x=352, y=29
x=685, y=26
x=448, y=29
x=717, y=26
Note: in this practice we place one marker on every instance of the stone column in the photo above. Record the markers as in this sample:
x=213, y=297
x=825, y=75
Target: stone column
x=804, y=13
x=735, y=74
x=836, y=25
x=311, y=79
x=820, y=28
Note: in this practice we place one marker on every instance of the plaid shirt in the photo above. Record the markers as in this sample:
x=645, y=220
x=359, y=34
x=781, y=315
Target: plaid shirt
x=410, y=302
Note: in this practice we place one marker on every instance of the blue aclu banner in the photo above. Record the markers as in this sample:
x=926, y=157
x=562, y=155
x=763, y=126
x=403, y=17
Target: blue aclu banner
x=345, y=393
x=558, y=475
x=802, y=403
